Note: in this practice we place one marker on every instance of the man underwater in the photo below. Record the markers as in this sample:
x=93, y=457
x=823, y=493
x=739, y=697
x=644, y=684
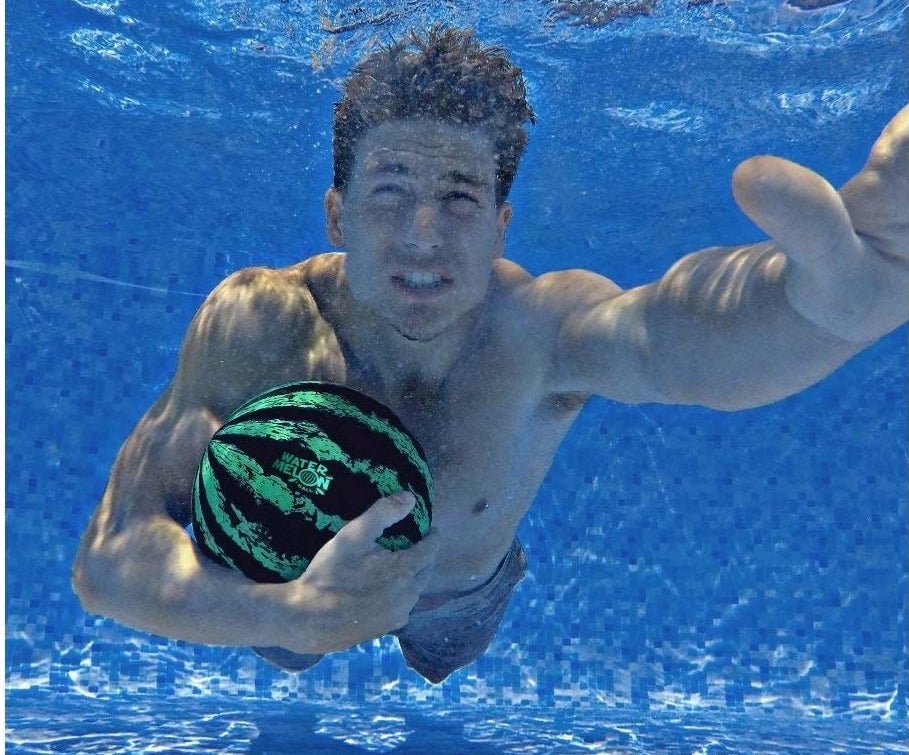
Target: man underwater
x=486, y=364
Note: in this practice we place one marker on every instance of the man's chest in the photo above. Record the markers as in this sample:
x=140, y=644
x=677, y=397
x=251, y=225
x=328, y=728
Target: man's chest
x=488, y=435
x=487, y=429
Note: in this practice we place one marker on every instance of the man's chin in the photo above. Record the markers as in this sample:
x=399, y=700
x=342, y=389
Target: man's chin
x=415, y=336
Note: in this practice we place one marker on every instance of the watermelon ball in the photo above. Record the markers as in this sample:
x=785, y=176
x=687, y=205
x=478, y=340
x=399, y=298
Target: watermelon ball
x=292, y=466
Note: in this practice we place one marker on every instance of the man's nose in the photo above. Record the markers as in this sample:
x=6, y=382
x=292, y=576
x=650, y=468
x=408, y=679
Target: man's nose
x=424, y=232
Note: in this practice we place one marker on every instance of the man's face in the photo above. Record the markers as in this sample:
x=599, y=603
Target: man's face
x=420, y=225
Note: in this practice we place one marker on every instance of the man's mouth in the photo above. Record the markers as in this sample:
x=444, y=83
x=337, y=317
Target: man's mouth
x=413, y=280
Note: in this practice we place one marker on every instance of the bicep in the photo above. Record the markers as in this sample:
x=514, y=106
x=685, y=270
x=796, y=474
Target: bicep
x=232, y=350
x=152, y=474
x=715, y=330
x=601, y=340
x=154, y=469
x=138, y=524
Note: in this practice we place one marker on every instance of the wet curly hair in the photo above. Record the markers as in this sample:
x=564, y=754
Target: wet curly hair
x=447, y=75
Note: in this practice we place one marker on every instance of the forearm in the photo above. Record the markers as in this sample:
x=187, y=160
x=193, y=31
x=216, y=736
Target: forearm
x=723, y=333
x=153, y=578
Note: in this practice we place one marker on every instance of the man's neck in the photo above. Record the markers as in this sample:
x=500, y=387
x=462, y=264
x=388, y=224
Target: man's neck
x=401, y=366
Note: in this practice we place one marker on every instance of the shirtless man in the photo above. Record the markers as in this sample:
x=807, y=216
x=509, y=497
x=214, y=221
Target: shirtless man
x=485, y=363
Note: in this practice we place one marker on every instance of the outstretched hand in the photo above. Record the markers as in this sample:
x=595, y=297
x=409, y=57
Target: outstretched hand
x=848, y=251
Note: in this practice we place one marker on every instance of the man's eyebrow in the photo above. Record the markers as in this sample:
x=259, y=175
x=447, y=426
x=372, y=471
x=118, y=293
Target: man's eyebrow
x=380, y=167
x=457, y=176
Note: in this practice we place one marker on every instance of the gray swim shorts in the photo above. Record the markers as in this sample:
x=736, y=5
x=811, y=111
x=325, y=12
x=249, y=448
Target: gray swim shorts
x=446, y=631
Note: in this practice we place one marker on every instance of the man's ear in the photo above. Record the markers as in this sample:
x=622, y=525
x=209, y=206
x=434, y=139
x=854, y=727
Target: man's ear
x=504, y=218
x=334, y=204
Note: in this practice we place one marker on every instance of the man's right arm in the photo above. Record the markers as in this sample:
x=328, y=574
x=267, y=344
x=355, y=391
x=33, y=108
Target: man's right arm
x=136, y=563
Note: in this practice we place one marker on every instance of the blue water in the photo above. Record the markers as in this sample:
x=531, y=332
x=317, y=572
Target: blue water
x=699, y=582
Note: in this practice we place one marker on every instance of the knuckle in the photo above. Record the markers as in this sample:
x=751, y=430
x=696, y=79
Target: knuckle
x=349, y=531
x=401, y=617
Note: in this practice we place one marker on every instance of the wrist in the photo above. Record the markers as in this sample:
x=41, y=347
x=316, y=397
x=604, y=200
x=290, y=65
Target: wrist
x=833, y=300
x=288, y=616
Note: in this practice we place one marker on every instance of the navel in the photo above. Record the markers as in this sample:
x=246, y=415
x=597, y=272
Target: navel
x=480, y=506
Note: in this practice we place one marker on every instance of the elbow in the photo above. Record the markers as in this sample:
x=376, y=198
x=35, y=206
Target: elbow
x=88, y=583
x=728, y=400
x=83, y=586
x=737, y=405
x=720, y=394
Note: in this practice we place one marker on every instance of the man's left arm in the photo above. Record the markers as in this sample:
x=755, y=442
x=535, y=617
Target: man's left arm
x=737, y=327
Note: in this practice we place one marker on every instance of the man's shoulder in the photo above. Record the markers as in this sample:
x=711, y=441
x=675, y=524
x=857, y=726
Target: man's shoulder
x=268, y=292
x=252, y=331
x=264, y=280
x=551, y=295
x=263, y=309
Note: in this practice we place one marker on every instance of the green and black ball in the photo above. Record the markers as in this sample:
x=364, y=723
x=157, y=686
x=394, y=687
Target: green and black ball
x=292, y=466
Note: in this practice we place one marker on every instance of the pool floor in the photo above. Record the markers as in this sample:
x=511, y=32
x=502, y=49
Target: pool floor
x=41, y=721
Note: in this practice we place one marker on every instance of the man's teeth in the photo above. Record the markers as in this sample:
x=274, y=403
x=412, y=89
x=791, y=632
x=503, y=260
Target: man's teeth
x=421, y=280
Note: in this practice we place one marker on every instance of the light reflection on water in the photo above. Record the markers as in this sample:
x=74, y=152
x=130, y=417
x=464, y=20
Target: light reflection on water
x=130, y=725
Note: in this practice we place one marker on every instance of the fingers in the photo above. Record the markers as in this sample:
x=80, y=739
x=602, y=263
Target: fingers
x=891, y=150
x=795, y=206
x=373, y=522
x=878, y=196
x=422, y=555
x=415, y=568
x=810, y=220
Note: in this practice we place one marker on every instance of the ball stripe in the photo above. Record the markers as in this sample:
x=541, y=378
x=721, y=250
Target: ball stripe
x=227, y=535
x=322, y=447
x=341, y=407
x=251, y=537
x=385, y=479
x=203, y=512
x=250, y=476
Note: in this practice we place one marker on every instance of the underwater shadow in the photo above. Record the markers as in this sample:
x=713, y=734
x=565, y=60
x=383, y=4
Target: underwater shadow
x=294, y=732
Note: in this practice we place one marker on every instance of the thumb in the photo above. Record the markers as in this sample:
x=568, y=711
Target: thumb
x=382, y=514
x=795, y=206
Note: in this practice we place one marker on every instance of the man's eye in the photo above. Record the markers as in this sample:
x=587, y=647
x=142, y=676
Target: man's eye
x=460, y=196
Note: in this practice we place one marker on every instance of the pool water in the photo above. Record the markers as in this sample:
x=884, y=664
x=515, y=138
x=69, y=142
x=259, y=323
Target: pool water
x=124, y=724
x=699, y=582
